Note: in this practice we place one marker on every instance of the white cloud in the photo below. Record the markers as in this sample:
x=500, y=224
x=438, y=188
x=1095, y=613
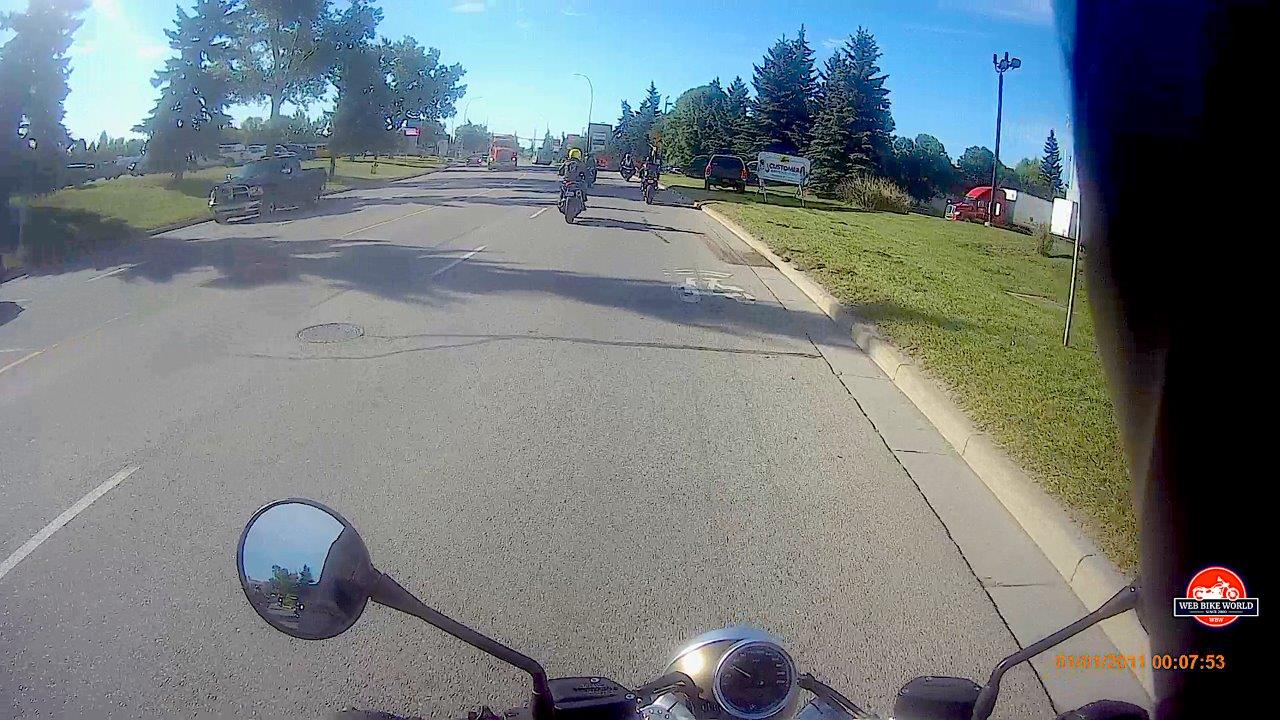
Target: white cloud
x=570, y=12
x=109, y=9
x=469, y=6
x=942, y=30
x=151, y=51
x=1030, y=12
x=832, y=44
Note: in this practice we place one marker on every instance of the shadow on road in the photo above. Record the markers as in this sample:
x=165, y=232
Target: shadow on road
x=9, y=311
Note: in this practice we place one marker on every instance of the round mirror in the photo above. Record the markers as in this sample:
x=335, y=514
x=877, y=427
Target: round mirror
x=304, y=569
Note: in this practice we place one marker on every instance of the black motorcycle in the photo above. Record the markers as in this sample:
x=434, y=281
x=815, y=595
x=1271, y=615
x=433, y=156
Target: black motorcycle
x=572, y=200
x=307, y=572
x=627, y=171
x=649, y=188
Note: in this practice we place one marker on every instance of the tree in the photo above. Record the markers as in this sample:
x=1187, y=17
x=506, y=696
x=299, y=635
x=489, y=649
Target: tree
x=305, y=577
x=785, y=83
x=738, y=118
x=188, y=119
x=473, y=137
x=362, y=112
x=839, y=144
x=695, y=125
x=1027, y=174
x=1051, y=166
x=280, y=54
x=422, y=89
x=974, y=168
x=872, y=118
x=33, y=86
x=921, y=166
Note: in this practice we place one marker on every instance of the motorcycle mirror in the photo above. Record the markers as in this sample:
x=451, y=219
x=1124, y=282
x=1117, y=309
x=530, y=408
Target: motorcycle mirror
x=307, y=572
x=304, y=569
x=1123, y=601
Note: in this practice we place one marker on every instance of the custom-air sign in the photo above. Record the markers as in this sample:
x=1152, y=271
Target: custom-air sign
x=789, y=169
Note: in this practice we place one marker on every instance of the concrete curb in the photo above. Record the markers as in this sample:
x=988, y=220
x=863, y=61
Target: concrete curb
x=1087, y=571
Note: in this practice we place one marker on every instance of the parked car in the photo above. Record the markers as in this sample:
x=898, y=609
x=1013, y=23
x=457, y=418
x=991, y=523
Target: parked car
x=697, y=167
x=725, y=171
x=264, y=186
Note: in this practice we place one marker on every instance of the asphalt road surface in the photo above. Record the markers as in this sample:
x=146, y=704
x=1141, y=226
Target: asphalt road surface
x=591, y=441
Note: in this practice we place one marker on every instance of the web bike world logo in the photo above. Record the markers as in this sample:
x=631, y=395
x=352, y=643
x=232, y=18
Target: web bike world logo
x=1216, y=598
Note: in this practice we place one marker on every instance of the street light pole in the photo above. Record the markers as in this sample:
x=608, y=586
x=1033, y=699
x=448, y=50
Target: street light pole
x=1001, y=65
x=590, y=107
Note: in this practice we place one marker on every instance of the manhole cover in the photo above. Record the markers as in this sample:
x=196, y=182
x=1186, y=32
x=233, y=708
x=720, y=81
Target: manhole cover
x=330, y=332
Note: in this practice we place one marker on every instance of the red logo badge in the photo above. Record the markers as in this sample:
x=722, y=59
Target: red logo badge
x=1215, y=597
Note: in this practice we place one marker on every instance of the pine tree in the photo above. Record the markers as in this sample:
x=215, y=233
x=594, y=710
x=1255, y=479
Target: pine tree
x=874, y=122
x=784, y=83
x=741, y=139
x=188, y=119
x=33, y=86
x=1051, y=166
x=638, y=139
x=839, y=146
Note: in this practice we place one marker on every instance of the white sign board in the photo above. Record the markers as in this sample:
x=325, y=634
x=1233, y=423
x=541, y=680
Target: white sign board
x=1065, y=221
x=789, y=169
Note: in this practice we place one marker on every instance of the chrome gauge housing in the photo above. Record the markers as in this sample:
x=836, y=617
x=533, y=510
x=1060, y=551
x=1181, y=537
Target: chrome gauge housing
x=742, y=669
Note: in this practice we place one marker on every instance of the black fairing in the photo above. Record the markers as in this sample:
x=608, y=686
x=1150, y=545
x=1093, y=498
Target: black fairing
x=591, y=698
x=936, y=698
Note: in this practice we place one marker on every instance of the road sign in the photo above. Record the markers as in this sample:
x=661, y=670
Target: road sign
x=789, y=169
x=412, y=132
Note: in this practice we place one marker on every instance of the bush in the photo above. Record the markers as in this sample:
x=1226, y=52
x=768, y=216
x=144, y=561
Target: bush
x=868, y=192
x=57, y=235
x=1044, y=240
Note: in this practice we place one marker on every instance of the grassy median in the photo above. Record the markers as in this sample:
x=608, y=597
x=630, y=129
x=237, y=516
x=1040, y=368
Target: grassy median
x=982, y=311
x=77, y=220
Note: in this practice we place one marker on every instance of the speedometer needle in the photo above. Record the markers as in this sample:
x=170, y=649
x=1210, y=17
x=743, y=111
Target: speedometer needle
x=745, y=674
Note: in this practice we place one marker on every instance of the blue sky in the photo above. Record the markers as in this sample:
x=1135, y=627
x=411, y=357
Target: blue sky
x=520, y=57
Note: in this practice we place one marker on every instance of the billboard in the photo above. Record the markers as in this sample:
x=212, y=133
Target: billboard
x=789, y=169
x=599, y=134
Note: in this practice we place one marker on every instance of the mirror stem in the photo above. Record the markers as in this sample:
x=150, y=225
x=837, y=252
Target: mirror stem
x=387, y=591
x=1126, y=599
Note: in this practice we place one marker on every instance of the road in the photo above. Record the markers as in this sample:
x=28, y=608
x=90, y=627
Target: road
x=591, y=441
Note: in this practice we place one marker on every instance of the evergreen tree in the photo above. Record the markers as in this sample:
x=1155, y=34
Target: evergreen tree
x=839, y=145
x=188, y=119
x=741, y=138
x=873, y=120
x=33, y=86
x=695, y=125
x=785, y=83
x=1051, y=166
x=639, y=138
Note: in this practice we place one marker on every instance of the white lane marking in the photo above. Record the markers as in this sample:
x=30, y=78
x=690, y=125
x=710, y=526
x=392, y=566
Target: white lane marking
x=70, y=514
x=384, y=222
x=41, y=351
x=402, y=217
x=21, y=360
x=451, y=265
x=538, y=213
x=117, y=271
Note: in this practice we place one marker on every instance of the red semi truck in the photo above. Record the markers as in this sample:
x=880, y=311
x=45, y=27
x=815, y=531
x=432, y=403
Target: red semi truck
x=504, y=151
x=973, y=206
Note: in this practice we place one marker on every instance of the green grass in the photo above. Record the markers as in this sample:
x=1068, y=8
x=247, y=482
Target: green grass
x=73, y=221
x=982, y=312
x=780, y=195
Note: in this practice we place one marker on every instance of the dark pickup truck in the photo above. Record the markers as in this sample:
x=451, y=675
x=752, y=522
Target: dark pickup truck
x=264, y=186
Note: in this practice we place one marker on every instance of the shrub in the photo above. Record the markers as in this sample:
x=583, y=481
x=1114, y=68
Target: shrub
x=1044, y=240
x=868, y=192
x=57, y=235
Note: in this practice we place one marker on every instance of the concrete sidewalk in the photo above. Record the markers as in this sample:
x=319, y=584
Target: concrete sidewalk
x=1027, y=589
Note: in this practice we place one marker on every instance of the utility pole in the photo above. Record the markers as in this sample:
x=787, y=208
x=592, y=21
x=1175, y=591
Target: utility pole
x=1001, y=65
x=590, y=106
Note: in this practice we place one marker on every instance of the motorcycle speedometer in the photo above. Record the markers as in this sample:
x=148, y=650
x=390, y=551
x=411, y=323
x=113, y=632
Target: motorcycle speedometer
x=754, y=680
